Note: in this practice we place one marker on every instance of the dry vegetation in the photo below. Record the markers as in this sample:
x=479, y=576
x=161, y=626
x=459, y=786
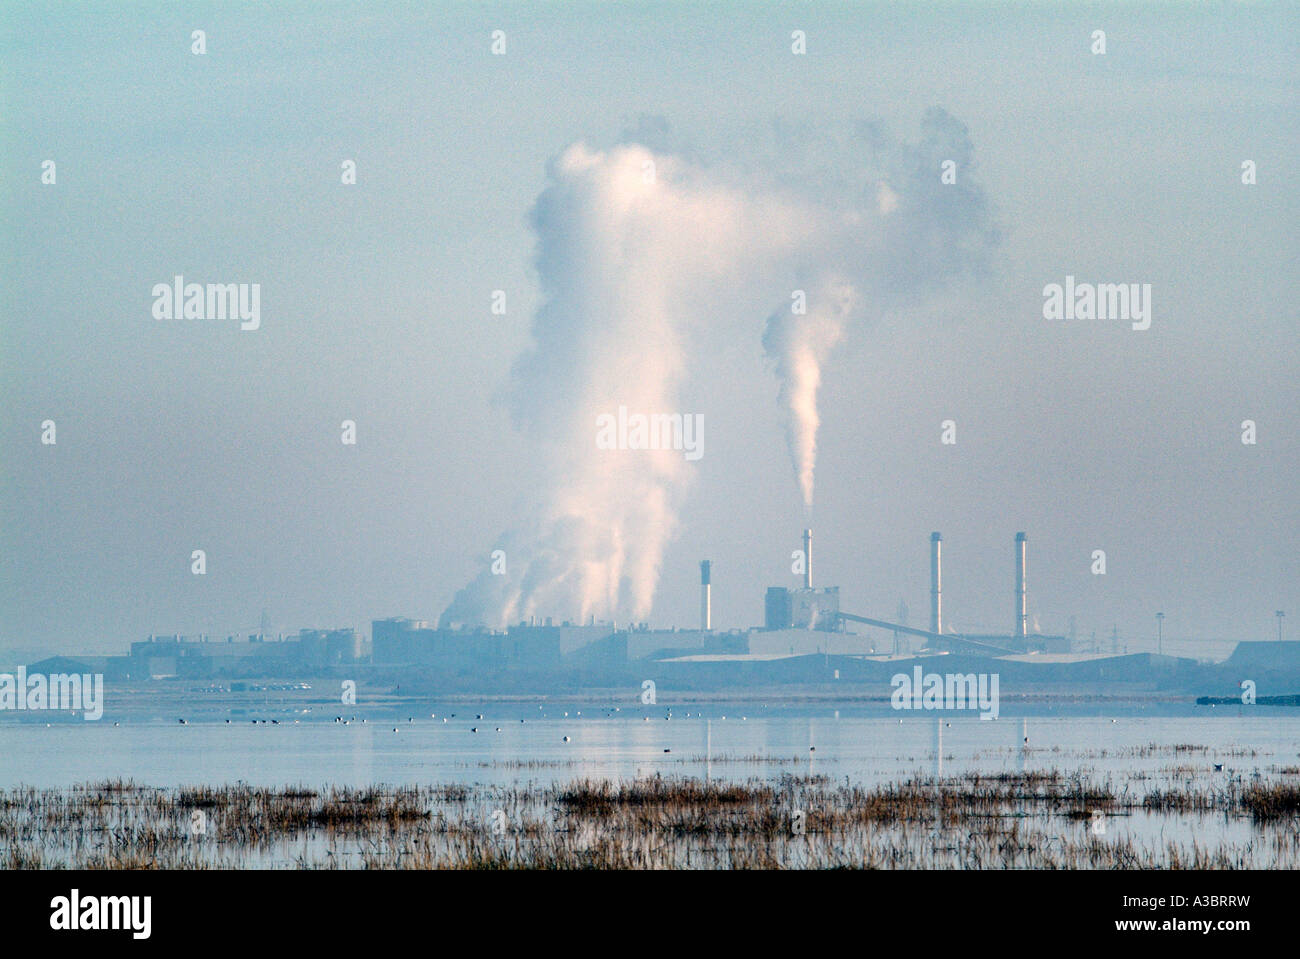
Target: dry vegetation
x=1013, y=820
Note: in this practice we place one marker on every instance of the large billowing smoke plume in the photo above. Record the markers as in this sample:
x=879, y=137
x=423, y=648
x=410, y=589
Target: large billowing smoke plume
x=635, y=251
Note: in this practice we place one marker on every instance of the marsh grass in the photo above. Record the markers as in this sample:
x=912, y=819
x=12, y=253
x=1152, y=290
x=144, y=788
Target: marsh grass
x=1034, y=819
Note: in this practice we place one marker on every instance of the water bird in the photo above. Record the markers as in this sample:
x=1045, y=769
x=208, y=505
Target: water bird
x=1218, y=767
x=182, y=722
x=566, y=739
x=474, y=730
x=667, y=750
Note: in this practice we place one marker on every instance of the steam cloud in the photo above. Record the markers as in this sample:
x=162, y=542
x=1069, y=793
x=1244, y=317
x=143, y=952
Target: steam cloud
x=636, y=251
x=798, y=344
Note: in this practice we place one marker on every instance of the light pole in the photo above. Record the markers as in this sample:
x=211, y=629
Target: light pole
x=1160, y=632
x=1279, y=614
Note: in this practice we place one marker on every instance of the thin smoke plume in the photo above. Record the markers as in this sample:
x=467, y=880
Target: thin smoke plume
x=797, y=341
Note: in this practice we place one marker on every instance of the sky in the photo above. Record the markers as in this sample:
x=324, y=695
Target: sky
x=479, y=172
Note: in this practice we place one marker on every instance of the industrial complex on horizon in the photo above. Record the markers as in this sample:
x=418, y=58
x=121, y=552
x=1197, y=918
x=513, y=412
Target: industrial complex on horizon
x=805, y=638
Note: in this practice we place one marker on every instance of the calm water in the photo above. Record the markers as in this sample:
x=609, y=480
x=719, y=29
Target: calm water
x=866, y=744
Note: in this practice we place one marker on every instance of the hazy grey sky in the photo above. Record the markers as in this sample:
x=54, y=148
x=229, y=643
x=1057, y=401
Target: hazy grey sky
x=225, y=167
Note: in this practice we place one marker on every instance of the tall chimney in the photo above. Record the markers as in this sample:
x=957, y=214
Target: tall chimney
x=936, y=599
x=706, y=596
x=1022, y=610
x=807, y=559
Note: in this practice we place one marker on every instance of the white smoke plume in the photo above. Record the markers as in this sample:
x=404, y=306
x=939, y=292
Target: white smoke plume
x=798, y=340
x=636, y=252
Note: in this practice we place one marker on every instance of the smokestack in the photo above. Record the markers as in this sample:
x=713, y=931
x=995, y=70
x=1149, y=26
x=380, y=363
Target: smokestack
x=807, y=559
x=936, y=572
x=706, y=595
x=1022, y=610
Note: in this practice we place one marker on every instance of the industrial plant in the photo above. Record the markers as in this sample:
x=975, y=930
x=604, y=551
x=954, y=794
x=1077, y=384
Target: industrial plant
x=806, y=638
x=801, y=621
x=819, y=610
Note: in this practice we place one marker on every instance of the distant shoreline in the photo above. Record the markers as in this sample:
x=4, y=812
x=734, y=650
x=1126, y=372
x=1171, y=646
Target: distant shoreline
x=218, y=693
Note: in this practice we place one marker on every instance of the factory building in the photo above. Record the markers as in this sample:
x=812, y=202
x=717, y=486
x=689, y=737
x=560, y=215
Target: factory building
x=201, y=657
x=800, y=621
x=329, y=647
x=526, y=646
x=398, y=640
x=644, y=644
x=804, y=608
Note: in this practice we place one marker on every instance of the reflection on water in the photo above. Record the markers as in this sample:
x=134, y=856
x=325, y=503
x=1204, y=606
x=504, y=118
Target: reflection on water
x=525, y=742
x=1134, y=752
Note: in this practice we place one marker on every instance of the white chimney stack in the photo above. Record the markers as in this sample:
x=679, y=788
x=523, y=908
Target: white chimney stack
x=936, y=595
x=706, y=595
x=1022, y=609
